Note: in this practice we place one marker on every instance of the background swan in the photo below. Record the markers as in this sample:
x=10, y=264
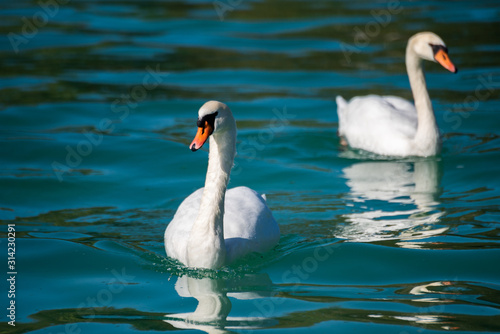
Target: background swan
x=390, y=125
x=212, y=227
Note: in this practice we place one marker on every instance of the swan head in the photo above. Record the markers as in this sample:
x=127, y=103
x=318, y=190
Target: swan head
x=429, y=46
x=214, y=117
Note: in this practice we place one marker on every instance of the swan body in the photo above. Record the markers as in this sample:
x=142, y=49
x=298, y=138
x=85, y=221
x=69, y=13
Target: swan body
x=390, y=125
x=214, y=227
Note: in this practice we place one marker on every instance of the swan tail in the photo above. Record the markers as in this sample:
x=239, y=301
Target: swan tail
x=264, y=197
x=341, y=102
x=341, y=111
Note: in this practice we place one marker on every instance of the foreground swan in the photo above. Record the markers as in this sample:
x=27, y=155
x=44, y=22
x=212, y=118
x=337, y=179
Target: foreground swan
x=390, y=125
x=212, y=227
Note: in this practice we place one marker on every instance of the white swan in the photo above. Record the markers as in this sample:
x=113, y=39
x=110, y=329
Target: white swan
x=390, y=125
x=212, y=227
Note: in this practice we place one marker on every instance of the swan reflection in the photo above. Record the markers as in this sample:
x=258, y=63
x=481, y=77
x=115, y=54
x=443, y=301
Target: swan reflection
x=392, y=200
x=212, y=312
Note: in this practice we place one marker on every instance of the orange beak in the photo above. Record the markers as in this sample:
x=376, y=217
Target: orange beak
x=442, y=57
x=201, y=136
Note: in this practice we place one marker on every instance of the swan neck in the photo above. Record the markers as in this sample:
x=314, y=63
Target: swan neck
x=427, y=132
x=206, y=247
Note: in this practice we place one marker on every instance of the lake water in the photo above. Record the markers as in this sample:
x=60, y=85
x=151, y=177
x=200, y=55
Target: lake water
x=99, y=102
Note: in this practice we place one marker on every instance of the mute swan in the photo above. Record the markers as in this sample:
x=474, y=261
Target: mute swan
x=212, y=227
x=390, y=125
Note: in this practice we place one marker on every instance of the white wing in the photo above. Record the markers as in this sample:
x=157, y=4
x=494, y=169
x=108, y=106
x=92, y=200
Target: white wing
x=248, y=224
x=380, y=124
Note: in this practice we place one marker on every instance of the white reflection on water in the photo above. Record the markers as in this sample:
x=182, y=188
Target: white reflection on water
x=212, y=313
x=392, y=200
x=432, y=288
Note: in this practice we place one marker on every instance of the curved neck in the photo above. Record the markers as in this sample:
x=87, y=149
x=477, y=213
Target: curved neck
x=427, y=132
x=206, y=247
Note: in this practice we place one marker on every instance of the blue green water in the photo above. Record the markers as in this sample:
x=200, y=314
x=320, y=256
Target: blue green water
x=98, y=104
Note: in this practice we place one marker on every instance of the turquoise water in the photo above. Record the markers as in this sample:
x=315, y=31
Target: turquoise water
x=99, y=103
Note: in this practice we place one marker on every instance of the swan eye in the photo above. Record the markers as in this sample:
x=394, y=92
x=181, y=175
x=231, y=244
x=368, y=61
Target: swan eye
x=437, y=48
x=205, y=129
x=441, y=56
x=210, y=119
